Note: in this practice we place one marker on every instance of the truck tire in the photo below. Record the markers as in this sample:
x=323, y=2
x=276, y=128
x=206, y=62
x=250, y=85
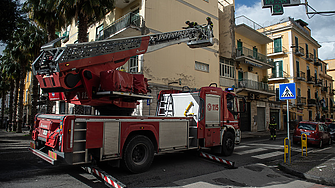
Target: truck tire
x=138, y=154
x=228, y=143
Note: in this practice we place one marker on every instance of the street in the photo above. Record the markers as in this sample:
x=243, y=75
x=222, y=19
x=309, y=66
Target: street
x=256, y=160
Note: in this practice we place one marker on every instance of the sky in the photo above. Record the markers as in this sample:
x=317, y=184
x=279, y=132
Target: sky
x=322, y=27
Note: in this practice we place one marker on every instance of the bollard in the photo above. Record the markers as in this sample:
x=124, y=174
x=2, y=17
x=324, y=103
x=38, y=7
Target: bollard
x=303, y=144
x=285, y=149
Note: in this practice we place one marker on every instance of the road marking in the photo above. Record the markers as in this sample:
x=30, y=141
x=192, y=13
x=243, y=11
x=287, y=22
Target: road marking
x=268, y=155
x=250, y=151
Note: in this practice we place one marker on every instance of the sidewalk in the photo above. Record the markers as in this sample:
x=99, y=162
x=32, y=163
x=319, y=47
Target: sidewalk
x=317, y=166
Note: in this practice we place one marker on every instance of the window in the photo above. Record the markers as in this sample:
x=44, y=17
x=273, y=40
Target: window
x=254, y=52
x=277, y=44
x=133, y=64
x=239, y=48
x=298, y=68
x=309, y=93
x=296, y=43
x=277, y=71
x=227, y=68
x=325, y=69
x=307, y=55
x=314, y=55
x=201, y=66
x=99, y=31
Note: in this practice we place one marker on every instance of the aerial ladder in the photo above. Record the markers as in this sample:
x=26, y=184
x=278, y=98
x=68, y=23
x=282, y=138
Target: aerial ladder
x=75, y=69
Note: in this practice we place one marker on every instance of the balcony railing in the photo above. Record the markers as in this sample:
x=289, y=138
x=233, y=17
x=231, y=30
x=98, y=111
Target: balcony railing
x=311, y=102
x=301, y=101
x=324, y=89
x=127, y=20
x=260, y=86
x=277, y=50
x=318, y=82
x=240, y=52
x=281, y=74
x=310, y=57
x=317, y=63
x=299, y=51
x=310, y=79
x=331, y=91
x=301, y=75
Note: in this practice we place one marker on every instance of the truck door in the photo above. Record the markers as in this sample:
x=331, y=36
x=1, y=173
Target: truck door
x=212, y=120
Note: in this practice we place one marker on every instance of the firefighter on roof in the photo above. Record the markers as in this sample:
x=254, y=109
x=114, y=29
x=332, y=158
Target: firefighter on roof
x=272, y=128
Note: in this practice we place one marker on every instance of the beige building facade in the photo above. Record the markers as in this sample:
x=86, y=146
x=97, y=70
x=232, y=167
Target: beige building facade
x=295, y=55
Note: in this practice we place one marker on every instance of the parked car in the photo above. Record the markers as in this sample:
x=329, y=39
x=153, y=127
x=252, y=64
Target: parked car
x=317, y=133
x=331, y=128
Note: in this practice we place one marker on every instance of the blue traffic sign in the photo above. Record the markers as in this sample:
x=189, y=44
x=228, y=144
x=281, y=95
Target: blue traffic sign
x=287, y=91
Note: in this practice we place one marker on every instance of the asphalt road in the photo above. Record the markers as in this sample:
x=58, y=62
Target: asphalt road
x=256, y=161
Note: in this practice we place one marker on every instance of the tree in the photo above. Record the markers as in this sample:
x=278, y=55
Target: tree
x=12, y=70
x=85, y=12
x=9, y=14
x=46, y=13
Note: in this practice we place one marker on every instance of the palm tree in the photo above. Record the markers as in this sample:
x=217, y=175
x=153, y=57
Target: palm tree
x=12, y=69
x=37, y=37
x=20, y=50
x=46, y=13
x=85, y=12
x=9, y=72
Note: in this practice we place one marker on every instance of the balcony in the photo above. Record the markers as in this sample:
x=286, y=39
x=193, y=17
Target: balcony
x=301, y=101
x=299, y=51
x=318, y=82
x=249, y=56
x=311, y=102
x=277, y=51
x=325, y=109
x=309, y=57
x=310, y=79
x=331, y=91
x=257, y=87
x=301, y=76
x=317, y=63
x=129, y=20
x=278, y=77
x=324, y=89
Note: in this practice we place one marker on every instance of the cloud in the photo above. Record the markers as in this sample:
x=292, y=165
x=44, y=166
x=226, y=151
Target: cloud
x=322, y=27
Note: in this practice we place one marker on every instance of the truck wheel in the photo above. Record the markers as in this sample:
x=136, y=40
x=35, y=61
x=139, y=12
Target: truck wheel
x=228, y=143
x=138, y=154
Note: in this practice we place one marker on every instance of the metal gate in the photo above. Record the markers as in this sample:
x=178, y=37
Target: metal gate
x=261, y=119
x=245, y=118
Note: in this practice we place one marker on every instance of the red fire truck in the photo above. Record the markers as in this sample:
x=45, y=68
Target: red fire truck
x=184, y=120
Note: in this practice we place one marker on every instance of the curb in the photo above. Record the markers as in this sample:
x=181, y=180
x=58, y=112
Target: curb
x=311, y=178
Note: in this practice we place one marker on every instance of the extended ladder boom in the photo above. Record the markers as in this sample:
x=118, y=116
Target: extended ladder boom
x=83, y=55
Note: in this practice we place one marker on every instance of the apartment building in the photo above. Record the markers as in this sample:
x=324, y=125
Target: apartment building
x=295, y=55
x=330, y=63
x=252, y=66
x=171, y=67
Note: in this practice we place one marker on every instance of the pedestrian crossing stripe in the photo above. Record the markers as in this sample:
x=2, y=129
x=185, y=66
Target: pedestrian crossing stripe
x=287, y=93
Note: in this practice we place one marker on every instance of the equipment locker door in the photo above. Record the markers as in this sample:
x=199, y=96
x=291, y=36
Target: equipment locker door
x=213, y=117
